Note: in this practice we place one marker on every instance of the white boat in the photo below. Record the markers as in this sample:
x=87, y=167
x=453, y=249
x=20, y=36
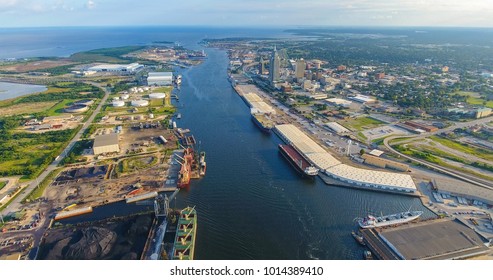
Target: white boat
x=394, y=219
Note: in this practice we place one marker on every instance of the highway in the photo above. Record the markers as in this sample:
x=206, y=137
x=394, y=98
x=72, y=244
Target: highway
x=15, y=205
x=453, y=173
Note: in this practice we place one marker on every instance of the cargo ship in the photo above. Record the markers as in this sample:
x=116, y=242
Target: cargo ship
x=263, y=122
x=202, y=164
x=183, y=248
x=389, y=220
x=297, y=160
x=186, y=168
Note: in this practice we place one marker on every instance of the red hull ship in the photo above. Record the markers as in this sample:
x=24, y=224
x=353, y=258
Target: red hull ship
x=186, y=168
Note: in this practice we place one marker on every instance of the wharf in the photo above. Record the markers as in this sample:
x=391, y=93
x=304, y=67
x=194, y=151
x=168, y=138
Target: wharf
x=333, y=182
x=434, y=239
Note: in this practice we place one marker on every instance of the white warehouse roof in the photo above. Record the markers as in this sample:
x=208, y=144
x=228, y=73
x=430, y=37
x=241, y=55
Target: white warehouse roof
x=366, y=176
x=257, y=104
x=337, y=127
x=333, y=167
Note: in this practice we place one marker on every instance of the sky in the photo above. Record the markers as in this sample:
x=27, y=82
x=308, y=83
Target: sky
x=258, y=13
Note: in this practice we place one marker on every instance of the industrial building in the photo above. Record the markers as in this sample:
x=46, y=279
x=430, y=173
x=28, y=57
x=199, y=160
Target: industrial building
x=385, y=163
x=132, y=67
x=257, y=105
x=439, y=239
x=337, y=128
x=160, y=78
x=338, y=102
x=362, y=98
x=107, y=143
x=372, y=179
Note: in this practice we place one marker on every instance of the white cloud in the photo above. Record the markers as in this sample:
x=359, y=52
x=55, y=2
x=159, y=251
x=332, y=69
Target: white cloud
x=90, y=4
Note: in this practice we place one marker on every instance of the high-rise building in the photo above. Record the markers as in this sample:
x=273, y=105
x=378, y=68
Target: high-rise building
x=274, y=70
x=261, y=66
x=300, y=68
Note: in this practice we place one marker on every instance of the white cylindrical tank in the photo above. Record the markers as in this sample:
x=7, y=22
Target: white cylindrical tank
x=140, y=103
x=118, y=103
x=124, y=96
x=151, y=116
x=157, y=95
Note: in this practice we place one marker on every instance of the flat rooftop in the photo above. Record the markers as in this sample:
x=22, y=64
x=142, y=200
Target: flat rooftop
x=464, y=189
x=106, y=140
x=434, y=239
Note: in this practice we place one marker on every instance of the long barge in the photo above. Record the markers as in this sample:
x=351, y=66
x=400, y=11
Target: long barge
x=298, y=161
x=264, y=123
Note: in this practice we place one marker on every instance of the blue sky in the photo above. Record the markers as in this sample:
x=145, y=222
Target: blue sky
x=21, y=13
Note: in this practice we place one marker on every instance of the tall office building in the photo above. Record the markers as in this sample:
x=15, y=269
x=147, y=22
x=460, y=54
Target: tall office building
x=300, y=68
x=275, y=65
x=261, y=66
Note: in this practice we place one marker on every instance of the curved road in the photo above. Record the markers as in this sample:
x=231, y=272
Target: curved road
x=453, y=173
x=15, y=205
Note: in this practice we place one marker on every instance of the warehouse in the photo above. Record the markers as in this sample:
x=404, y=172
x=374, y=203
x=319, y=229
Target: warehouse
x=106, y=144
x=337, y=128
x=257, y=105
x=132, y=67
x=372, y=179
x=160, y=78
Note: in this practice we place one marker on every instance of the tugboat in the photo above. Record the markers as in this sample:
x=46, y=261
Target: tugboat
x=358, y=238
x=367, y=254
x=202, y=164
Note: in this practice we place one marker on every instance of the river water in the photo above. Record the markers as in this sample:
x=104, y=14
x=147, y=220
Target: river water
x=251, y=204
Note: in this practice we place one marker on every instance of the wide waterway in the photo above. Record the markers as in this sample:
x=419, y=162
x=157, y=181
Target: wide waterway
x=252, y=204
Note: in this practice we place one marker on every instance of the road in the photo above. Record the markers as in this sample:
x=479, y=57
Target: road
x=16, y=205
x=453, y=173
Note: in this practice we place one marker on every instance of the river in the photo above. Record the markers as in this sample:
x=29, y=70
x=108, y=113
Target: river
x=252, y=204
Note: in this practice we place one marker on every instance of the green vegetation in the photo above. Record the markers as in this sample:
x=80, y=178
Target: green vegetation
x=136, y=163
x=463, y=147
x=362, y=137
x=107, y=55
x=60, y=91
x=58, y=70
x=39, y=190
x=3, y=184
x=90, y=130
x=361, y=123
x=28, y=154
x=76, y=152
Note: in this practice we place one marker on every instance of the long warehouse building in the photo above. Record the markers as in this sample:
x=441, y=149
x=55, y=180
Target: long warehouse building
x=257, y=104
x=323, y=160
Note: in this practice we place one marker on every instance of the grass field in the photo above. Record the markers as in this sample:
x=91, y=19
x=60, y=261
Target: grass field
x=29, y=108
x=475, y=98
x=361, y=123
x=58, y=108
x=480, y=153
x=3, y=184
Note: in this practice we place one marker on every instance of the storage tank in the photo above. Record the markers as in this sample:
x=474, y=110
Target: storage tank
x=124, y=96
x=140, y=103
x=118, y=103
x=157, y=95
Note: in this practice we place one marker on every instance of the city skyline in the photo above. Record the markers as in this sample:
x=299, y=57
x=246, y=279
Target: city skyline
x=29, y=13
